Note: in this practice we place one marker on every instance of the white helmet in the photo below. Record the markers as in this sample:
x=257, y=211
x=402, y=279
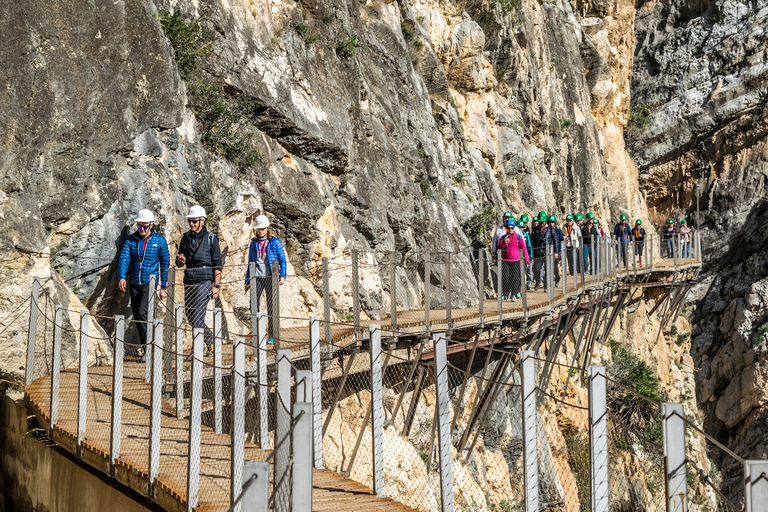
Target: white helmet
x=145, y=216
x=261, y=222
x=196, y=212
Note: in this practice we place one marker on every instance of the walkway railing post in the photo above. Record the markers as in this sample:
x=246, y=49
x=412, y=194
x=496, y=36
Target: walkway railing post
x=302, y=458
x=283, y=417
x=237, y=447
x=500, y=285
x=155, y=405
x=218, y=407
x=317, y=411
x=755, y=485
x=256, y=497
x=377, y=411
x=117, y=393
x=150, y=329
x=179, y=344
x=524, y=286
x=82, y=383
x=550, y=273
x=675, y=247
x=254, y=300
x=575, y=259
x=481, y=283
x=673, y=429
x=263, y=323
x=563, y=275
x=29, y=374
x=448, y=305
x=195, y=414
x=327, y=307
x=392, y=291
x=427, y=290
x=584, y=260
x=276, y=303
x=530, y=431
x=170, y=333
x=593, y=257
x=598, y=439
x=356, y=294
x=55, y=370
x=443, y=422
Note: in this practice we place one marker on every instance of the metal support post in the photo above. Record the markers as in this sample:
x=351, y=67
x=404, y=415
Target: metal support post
x=117, y=393
x=673, y=428
x=530, y=431
x=179, y=342
x=327, y=306
x=29, y=374
x=169, y=334
x=564, y=274
x=634, y=257
x=755, y=485
x=256, y=490
x=427, y=291
x=392, y=291
x=82, y=383
x=195, y=414
x=575, y=260
x=237, y=447
x=356, y=293
x=448, y=312
x=150, y=329
x=598, y=439
x=254, y=299
x=675, y=245
x=524, y=287
x=550, y=271
x=500, y=285
x=317, y=411
x=443, y=422
x=377, y=411
x=583, y=258
x=276, y=304
x=301, y=490
x=649, y=260
x=218, y=406
x=155, y=405
x=481, y=283
x=283, y=418
x=55, y=370
x=592, y=257
x=262, y=375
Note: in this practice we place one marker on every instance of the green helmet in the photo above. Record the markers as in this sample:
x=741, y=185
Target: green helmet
x=579, y=217
x=541, y=218
x=683, y=222
x=670, y=221
x=569, y=217
x=638, y=222
x=596, y=221
x=622, y=217
x=591, y=216
x=525, y=217
x=543, y=214
x=508, y=215
x=551, y=218
x=521, y=223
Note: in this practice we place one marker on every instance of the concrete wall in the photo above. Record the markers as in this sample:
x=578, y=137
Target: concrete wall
x=35, y=477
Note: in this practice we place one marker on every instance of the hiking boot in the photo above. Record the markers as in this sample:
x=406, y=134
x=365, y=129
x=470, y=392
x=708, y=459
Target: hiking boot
x=518, y=295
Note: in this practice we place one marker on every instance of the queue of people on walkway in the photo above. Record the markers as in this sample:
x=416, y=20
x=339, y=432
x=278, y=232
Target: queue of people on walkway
x=145, y=255
x=575, y=241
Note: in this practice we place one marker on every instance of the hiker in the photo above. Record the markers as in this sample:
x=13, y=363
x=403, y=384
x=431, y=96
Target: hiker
x=529, y=262
x=144, y=254
x=512, y=247
x=669, y=236
x=500, y=232
x=538, y=240
x=199, y=251
x=264, y=250
x=638, y=233
x=571, y=234
x=588, y=232
x=554, y=237
x=623, y=235
x=685, y=239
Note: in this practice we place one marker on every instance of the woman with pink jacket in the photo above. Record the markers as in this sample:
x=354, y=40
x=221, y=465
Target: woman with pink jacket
x=512, y=247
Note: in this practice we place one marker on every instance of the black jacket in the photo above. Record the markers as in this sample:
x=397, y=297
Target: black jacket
x=203, y=255
x=587, y=234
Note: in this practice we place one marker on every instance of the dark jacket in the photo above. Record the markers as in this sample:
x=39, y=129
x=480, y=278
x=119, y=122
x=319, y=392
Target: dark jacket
x=553, y=235
x=144, y=259
x=669, y=234
x=539, y=242
x=203, y=255
x=587, y=233
x=638, y=233
x=622, y=234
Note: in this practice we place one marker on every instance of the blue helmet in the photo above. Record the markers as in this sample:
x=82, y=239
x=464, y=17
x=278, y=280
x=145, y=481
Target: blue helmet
x=509, y=222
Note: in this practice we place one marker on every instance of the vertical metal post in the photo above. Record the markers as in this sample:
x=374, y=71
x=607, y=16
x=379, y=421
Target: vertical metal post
x=530, y=431
x=29, y=374
x=254, y=299
x=155, y=405
x=117, y=393
x=699, y=253
x=443, y=422
x=583, y=258
x=82, y=383
x=448, y=312
x=500, y=285
x=592, y=258
x=673, y=429
x=626, y=257
x=564, y=275
x=327, y=306
x=218, y=407
x=392, y=291
x=550, y=271
x=195, y=413
x=55, y=370
x=634, y=257
x=650, y=253
x=237, y=447
x=675, y=248
x=282, y=430
x=427, y=290
x=355, y=293
x=276, y=303
x=755, y=485
x=263, y=390
x=481, y=283
x=317, y=411
x=575, y=259
x=150, y=329
x=169, y=334
x=524, y=287
x=302, y=458
x=598, y=439
x=179, y=343
x=377, y=411
x=256, y=497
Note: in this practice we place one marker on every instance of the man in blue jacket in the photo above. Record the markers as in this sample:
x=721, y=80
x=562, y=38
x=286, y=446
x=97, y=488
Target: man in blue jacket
x=144, y=254
x=623, y=235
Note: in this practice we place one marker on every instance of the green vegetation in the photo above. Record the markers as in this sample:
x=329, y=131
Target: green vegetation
x=347, y=45
x=565, y=124
x=507, y=506
x=458, y=178
x=303, y=30
x=424, y=457
x=224, y=115
x=422, y=154
x=682, y=338
x=639, y=118
x=577, y=444
x=479, y=227
x=426, y=187
x=509, y=5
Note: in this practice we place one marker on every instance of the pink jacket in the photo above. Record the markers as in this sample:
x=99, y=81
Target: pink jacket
x=511, y=247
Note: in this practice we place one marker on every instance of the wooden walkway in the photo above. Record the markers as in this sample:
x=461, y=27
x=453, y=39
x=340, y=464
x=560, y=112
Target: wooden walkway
x=332, y=492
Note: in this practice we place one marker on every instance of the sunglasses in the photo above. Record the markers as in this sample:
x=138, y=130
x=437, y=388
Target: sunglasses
x=142, y=226
x=195, y=221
